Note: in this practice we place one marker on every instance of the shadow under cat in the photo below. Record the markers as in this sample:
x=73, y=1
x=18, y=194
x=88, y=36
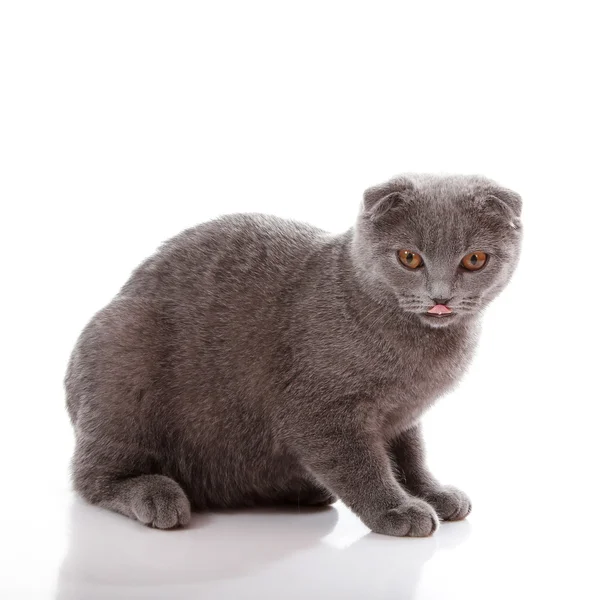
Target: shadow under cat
x=285, y=552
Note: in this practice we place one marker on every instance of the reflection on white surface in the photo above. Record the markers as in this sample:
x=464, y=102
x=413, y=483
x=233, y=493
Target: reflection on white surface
x=250, y=554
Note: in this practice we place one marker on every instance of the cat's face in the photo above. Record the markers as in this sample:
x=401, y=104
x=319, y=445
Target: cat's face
x=446, y=241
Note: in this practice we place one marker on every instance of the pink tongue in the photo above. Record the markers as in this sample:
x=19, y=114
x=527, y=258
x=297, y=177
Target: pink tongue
x=439, y=309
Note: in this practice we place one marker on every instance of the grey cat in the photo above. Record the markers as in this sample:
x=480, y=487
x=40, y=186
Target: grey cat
x=254, y=360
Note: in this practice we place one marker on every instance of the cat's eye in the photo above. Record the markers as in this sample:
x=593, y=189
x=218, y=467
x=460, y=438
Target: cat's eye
x=409, y=259
x=474, y=261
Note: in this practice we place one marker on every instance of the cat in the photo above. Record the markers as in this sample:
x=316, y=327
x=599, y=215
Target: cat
x=255, y=361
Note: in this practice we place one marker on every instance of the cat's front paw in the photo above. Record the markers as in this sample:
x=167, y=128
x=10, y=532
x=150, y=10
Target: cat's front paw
x=415, y=518
x=450, y=503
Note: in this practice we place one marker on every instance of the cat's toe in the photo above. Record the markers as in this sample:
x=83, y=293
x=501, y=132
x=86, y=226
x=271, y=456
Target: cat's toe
x=163, y=508
x=414, y=519
x=450, y=503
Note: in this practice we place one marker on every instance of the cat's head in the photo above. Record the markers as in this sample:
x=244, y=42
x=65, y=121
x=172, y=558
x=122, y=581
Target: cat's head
x=450, y=242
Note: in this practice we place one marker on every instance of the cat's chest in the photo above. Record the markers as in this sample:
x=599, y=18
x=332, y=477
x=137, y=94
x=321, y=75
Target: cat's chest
x=423, y=372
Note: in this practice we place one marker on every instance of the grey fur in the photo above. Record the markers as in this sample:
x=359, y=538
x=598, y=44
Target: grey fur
x=254, y=360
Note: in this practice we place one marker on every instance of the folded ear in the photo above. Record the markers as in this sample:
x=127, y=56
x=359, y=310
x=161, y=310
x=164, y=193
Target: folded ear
x=503, y=201
x=380, y=199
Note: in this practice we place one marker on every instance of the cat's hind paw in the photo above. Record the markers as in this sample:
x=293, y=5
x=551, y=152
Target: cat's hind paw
x=161, y=503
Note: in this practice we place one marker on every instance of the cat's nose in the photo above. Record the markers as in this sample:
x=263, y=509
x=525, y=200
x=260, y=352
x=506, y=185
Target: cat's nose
x=443, y=301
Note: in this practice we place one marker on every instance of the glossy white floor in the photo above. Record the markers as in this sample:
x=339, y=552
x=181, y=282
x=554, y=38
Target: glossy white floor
x=84, y=553
x=54, y=546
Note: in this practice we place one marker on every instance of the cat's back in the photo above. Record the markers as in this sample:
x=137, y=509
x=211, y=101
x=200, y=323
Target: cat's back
x=245, y=253
x=211, y=299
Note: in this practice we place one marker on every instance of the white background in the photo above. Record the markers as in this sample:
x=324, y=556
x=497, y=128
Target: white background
x=121, y=123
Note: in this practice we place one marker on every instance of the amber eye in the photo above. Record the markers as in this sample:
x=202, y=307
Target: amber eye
x=474, y=261
x=409, y=259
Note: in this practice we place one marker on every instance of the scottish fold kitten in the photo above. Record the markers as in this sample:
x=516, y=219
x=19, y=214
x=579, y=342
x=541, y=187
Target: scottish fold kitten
x=254, y=360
